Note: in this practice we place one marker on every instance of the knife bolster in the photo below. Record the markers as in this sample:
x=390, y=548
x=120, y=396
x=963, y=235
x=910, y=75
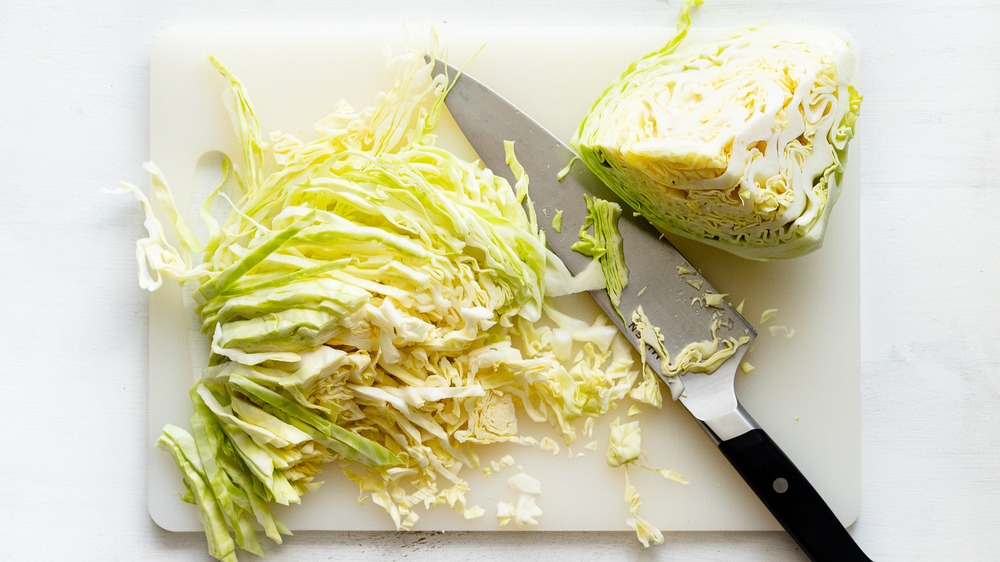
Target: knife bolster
x=729, y=425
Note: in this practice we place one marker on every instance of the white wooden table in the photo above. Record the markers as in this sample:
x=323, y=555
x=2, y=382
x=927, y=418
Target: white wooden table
x=73, y=121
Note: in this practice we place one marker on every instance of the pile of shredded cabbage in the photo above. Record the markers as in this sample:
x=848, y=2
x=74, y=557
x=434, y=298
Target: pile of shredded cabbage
x=375, y=301
x=739, y=142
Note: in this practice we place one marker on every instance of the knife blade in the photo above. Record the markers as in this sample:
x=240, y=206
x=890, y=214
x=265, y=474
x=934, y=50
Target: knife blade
x=669, y=290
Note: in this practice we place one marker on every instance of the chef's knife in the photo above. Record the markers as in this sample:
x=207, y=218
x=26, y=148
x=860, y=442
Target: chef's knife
x=669, y=290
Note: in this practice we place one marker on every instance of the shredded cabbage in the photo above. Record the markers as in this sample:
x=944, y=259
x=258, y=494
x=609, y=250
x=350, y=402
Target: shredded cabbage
x=739, y=142
x=375, y=301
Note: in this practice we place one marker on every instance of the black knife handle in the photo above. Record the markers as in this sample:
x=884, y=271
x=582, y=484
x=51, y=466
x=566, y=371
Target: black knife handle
x=791, y=498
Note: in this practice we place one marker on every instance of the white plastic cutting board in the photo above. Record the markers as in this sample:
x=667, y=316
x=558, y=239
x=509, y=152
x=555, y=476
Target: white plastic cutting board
x=804, y=391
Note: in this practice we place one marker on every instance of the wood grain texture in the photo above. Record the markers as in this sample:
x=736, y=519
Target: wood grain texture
x=73, y=103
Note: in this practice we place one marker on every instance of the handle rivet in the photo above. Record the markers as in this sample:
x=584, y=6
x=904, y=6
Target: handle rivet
x=780, y=485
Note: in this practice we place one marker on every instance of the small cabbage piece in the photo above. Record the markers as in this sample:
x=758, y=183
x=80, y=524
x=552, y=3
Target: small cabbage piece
x=644, y=530
x=497, y=465
x=557, y=220
x=738, y=141
x=625, y=444
x=524, y=510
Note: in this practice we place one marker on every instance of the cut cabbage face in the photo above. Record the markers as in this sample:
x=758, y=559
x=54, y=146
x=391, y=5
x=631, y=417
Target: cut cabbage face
x=738, y=141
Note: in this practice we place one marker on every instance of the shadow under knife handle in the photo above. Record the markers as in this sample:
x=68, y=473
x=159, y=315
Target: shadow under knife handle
x=792, y=500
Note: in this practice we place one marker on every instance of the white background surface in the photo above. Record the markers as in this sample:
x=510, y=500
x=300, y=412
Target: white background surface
x=73, y=121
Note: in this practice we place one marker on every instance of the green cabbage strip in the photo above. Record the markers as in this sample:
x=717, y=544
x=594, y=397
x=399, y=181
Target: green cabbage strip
x=244, y=119
x=182, y=446
x=376, y=302
x=345, y=443
x=738, y=141
x=605, y=245
x=234, y=272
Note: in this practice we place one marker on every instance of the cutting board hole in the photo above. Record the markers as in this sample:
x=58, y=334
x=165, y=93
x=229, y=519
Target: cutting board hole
x=207, y=178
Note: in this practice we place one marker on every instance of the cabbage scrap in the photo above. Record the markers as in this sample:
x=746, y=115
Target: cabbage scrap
x=644, y=530
x=785, y=331
x=624, y=450
x=376, y=302
x=738, y=142
x=767, y=315
x=605, y=245
x=524, y=510
x=703, y=356
x=497, y=465
x=624, y=445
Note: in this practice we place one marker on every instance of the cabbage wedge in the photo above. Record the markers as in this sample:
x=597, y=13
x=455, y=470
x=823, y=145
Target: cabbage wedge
x=737, y=140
